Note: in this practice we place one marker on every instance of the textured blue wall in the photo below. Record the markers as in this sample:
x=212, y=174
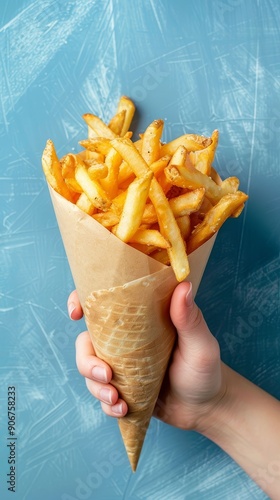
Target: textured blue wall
x=199, y=65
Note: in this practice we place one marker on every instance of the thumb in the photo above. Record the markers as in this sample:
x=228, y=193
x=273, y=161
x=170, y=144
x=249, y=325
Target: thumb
x=194, y=337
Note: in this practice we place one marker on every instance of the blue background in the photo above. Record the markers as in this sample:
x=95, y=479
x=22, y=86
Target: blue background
x=199, y=65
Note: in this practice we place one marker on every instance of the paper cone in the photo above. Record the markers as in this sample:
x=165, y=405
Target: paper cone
x=125, y=296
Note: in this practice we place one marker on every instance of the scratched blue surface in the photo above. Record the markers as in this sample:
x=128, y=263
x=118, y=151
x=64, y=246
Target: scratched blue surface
x=199, y=65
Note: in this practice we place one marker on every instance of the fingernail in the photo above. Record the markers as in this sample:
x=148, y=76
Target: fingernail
x=105, y=395
x=118, y=409
x=189, y=297
x=71, y=309
x=99, y=373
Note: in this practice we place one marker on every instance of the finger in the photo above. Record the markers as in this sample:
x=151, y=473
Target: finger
x=88, y=364
x=194, y=337
x=74, y=307
x=185, y=314
x=119, y=409
x=106, y=393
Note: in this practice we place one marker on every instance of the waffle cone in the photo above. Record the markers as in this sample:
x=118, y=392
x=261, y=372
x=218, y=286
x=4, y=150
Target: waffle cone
x=134, y=334
x=125, y=297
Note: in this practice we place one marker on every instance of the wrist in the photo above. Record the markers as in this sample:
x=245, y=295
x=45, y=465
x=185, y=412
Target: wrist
x=244, y=422
x=215, y=413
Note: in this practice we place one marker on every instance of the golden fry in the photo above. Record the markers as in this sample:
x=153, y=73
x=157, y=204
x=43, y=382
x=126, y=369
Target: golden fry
x=170, y=230
x=131, y=155
x=202, y=159
x=127, y=105
x=84, y=204
x=189, y=177
x=179, y=158
x=110, y=182
x=150, y=237
x=52, y=170
x=118, y=203
x=107, y=219
x=151, y=142
x=97, y=170
x=98, y=126
x=73, y=185
x=92, y=188
x=134, y=205
x=88, y=156
x=158, y=166
x=191, y=142
x=149, y=215
x=117, y=122
x=187, y=203
x=214, y=219
x=99, y=145
x=184, y=223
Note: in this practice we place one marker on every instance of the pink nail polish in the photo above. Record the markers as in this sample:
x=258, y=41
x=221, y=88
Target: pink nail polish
x=189, y=297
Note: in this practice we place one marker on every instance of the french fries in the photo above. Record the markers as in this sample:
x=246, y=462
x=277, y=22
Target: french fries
x=165, y=200
x=134, y=206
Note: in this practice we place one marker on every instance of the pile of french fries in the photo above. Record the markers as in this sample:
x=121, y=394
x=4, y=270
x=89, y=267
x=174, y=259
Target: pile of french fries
x=164, y=199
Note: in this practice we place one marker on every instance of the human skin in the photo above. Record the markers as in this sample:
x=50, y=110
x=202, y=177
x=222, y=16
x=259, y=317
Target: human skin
x=200, y=393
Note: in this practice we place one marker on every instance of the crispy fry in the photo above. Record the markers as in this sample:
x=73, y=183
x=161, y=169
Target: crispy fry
x=98, y=126
x=131, y=155
x=118, y=203
x=134, y=205
x=151, y=141
x=214, y=219
x=127, y=105
x=68, y=165
x=191, y=142
x=179, y=158
x=97, y=170
x=84, y=204
x=107, y=219
x=181, y=205
x=203, y=159
x=158, y=166
x=190, y=178
x=73, y=185
x=117, y=122
x=149, y=237
x=99, y=145
x=170, y=230
x=89, y=156
x=110, y=182
x=187, y=203
x=184, y=223
x=149, y=215
x=52, y=170
x=92, y=188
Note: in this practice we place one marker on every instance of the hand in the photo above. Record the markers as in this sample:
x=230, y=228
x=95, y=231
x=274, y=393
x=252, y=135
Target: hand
x=96, y=372
x=194, y=383
x=200, y=393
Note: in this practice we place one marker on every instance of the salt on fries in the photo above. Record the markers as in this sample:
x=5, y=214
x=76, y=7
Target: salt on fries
x=163, y=199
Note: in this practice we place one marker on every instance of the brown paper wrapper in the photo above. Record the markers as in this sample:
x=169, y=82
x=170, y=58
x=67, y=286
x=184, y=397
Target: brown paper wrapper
x=125, y=296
